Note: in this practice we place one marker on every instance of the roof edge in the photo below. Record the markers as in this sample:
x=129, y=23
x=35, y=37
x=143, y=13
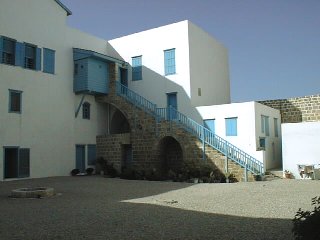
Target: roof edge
x=64, y=7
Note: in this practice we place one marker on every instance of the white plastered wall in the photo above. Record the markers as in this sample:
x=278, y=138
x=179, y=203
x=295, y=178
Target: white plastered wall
x=300, y=145
x=150, y=45
x=47, y=123
x=209, y=70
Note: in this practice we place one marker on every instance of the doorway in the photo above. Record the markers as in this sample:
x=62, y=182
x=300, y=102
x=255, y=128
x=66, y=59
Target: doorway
x=124, y=76
x=16, y=162
x=172, y=105
x=80, y=157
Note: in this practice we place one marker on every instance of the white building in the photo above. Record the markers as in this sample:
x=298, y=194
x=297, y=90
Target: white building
x=198, y=74
x=49, y=121
x=251, y=126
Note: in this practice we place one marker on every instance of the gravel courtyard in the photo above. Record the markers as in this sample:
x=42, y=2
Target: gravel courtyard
x=103, y=208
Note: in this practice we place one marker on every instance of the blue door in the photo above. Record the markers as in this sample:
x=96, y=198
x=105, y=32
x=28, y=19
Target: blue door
x=172, y=103
x=80, y=157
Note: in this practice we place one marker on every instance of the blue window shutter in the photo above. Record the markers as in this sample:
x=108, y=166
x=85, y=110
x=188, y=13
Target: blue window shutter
x=48, y=60
x=137, y=68
x=210, y=124
x=1, y=47
x=38, y=59
x=20, y=54
x=169, y=62
x=267, y=126
x=231, y=127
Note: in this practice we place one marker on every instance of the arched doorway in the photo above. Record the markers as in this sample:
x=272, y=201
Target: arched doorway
x=170, y=154
x=119, y=123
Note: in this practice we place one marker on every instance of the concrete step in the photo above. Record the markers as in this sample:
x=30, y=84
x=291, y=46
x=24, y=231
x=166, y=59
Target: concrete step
x=273, y=175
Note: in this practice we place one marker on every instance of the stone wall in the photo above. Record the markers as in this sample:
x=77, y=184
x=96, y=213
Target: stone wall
x=300, y=109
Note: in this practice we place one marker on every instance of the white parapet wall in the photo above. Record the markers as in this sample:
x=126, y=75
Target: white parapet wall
x=300, y=146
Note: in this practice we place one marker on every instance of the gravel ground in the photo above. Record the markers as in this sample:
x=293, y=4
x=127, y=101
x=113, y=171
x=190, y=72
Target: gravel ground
x=103, y=208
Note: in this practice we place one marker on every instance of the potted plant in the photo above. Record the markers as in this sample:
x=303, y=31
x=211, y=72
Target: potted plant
x=229, y=176
x=287, y=174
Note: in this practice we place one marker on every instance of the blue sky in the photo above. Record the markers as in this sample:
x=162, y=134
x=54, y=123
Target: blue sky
x=274, y=45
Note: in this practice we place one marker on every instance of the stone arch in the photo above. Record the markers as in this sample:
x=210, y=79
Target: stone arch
x=119, y=123
x=170, y=154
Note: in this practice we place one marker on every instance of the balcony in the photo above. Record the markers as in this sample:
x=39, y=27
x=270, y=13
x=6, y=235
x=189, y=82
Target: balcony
x=91, y=72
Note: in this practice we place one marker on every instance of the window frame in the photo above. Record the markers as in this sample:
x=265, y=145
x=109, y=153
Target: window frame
x=234, y=128
x=11, y=108
x=136, y=63
x=86, y=110
x=169, y=61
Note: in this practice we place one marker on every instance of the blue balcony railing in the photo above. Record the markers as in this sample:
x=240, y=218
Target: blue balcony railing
x=170, y=114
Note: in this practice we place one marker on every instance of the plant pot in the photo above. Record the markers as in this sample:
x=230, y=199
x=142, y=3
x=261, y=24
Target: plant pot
x=287, y=175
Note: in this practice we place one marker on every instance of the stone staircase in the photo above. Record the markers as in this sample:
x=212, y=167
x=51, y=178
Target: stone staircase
x=149, y=125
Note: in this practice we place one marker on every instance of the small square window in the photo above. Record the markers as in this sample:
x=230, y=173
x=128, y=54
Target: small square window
x=262, y=143
x=15, y=99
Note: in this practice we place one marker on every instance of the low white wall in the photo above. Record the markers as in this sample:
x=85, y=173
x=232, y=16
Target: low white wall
x=300, y=145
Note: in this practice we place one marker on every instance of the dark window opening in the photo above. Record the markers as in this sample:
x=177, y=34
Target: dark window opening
x=86, y=110
x=8, y=52
x=15, y=101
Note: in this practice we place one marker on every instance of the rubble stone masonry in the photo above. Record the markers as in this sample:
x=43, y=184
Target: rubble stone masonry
x=146, y=137
x=294, y=110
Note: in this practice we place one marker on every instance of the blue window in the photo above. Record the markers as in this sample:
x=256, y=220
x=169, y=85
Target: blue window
x=137, y=68
x=48, y=60
x=231, y=126
x=86, y=110
x=169, y=62
x=210, y=124
x=276, y=130
x=7, y=50
x=15, y=101
x=91, y=154
x=265, y=125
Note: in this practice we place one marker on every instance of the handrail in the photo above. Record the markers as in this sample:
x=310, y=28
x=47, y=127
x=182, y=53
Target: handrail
x=135, y=98
x=170, y=114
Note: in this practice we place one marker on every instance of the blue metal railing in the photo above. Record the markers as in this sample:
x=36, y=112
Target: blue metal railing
x=135, y=98
x=170, y=114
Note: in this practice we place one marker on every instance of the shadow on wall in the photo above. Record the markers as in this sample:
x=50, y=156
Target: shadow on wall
x=116, y=205
x=154, y=87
